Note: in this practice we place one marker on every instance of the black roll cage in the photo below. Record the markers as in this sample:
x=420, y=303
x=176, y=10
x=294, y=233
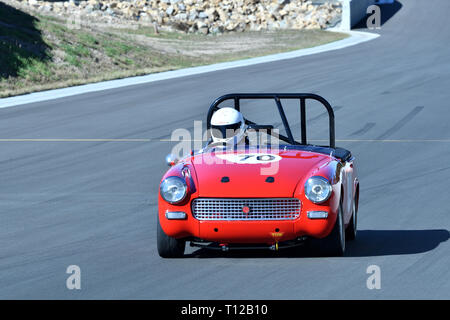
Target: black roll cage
x=302, y=97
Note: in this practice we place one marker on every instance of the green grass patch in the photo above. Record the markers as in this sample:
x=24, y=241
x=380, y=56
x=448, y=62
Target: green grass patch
x=74, y=53
x=35, y=70
x=114, y=48
x=88, y=39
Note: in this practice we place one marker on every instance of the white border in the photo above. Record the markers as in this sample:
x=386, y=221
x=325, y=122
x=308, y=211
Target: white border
x=355, y=38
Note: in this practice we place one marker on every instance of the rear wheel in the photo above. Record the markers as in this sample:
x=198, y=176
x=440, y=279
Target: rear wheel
x=350, y=233
x=168, y=247
x=334, y=244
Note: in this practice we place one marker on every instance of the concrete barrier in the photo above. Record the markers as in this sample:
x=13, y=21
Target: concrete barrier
x=353, y=11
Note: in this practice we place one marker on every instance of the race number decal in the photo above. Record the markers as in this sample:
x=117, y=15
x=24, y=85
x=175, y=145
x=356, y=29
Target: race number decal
x=250, y=158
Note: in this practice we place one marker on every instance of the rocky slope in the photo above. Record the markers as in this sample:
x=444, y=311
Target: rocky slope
x=204, y=16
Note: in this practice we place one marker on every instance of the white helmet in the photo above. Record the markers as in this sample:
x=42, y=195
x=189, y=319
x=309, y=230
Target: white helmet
x=227, y=126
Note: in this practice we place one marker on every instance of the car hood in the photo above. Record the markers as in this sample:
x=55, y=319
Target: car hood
x=246, y=174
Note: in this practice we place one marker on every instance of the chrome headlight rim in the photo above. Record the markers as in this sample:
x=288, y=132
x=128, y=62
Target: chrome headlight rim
x=328, y=185
x=167, y=180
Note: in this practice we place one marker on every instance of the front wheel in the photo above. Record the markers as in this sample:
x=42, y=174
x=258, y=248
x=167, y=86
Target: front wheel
x=350, y=233
x=334, y=244
x=168, y=247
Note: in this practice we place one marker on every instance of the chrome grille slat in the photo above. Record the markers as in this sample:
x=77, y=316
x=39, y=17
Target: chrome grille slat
x=260, y=208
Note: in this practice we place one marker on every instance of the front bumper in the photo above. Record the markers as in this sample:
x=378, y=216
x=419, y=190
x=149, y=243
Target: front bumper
x=244, y=231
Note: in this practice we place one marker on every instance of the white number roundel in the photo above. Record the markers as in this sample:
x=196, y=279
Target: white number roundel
x=249, y=158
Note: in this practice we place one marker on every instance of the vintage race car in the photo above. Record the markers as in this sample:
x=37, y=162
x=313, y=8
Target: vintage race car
x=270, y=196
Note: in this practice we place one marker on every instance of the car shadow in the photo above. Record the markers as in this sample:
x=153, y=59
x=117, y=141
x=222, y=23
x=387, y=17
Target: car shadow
x=388, y=10
x=20, y=41
x=369, y=243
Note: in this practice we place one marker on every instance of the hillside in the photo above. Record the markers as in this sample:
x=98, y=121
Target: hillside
x=40, y=50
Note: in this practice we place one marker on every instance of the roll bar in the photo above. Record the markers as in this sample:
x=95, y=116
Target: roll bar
x=277, y=97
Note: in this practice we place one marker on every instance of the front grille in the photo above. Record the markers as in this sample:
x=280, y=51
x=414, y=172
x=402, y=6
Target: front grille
x=246, y=209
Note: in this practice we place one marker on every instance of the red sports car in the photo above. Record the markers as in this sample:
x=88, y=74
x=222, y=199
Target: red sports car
x=270, y=196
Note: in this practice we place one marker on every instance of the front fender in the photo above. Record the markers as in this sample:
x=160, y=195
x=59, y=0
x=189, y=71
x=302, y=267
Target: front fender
x=189, y=226
x=320, y=228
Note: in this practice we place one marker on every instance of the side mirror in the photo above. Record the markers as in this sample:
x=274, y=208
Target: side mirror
x=171, y=159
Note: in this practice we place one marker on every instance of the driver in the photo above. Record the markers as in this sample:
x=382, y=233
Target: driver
x=228, y=127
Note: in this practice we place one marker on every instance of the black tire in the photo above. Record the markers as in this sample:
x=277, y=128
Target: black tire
x=168, y=247
x=334, y=244
x=350, y=233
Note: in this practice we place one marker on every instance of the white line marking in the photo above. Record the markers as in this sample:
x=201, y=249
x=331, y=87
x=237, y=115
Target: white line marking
x=355, y=38
x=75, y=140
x=193, y=140
x=383, y=140
x=346, y=140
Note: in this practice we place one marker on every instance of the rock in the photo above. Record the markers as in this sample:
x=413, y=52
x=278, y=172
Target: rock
x=231, y=26
x=181, y=17
x=202, y=15
x=47, y=8
x=170, y=10
x=109, y=11
x=200, y=24
x=193, y=14
x=216, y=30
x=89, y=8
x=202, y=27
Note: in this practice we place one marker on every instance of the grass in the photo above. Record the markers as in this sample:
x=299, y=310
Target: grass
x=39, y=52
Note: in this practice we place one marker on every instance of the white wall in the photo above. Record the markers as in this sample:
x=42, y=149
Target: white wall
x=353, y=11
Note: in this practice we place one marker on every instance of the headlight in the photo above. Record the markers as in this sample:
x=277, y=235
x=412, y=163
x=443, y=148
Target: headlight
x=173, y=189
x=317, y=189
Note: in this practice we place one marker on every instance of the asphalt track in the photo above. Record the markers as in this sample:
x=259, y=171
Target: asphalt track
x=93, y=203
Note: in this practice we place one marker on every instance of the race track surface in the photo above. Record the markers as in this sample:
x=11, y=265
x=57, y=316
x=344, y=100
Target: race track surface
x=93, y=203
